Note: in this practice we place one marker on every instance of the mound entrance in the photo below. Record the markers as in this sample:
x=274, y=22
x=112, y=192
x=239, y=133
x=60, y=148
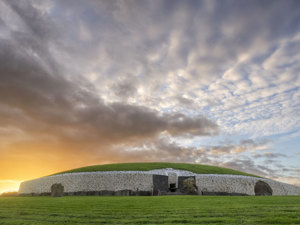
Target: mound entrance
x=262, y=188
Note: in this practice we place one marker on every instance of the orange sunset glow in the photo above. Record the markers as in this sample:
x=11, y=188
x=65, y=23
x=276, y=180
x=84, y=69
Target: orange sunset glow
x=101, y=82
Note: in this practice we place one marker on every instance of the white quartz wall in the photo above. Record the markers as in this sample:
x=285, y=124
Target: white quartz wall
x=90, y=182
x=280, y=188
x=223, y=183
x=241, y=184
x=143, y=181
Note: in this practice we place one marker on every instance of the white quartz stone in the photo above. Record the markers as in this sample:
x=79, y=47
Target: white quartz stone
x=142, y=181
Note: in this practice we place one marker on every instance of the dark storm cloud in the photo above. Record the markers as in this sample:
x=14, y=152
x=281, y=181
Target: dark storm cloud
x=161, y=149
x=165, y=148
x=37, y=98
x=50, y=99
x=125, y=88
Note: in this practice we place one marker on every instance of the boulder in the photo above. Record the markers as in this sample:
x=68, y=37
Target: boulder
x=189, y=186
x=57, y=190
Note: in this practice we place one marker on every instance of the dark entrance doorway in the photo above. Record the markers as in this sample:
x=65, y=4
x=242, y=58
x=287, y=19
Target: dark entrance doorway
x=172, y=187
x=262, y=188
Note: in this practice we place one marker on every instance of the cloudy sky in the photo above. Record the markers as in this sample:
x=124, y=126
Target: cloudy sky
x=91, y=82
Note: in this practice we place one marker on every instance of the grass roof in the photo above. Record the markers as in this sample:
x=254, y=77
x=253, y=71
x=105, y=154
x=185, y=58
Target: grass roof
x=196, y=168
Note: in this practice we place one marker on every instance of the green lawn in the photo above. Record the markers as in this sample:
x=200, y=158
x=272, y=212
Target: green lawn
x=151, y=210
x=196, y=168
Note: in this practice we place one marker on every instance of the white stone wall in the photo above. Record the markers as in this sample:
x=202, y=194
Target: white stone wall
x=280, y=188
x=90, y=182
x=143, y=181
x=240, y=184
x=223, y=183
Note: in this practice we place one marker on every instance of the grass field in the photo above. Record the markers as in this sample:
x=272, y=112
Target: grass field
x=196, y=168
x=151, y=210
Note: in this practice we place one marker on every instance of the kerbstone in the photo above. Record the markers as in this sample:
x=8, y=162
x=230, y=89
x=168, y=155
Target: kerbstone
x=57, y=190
x=189, y=186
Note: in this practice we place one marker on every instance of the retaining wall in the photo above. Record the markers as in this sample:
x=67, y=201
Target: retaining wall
x=142, y=182
x=81, y=182
x=229, y=184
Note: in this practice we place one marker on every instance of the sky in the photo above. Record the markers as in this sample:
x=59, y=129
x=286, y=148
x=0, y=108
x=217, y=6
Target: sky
x=85, y=82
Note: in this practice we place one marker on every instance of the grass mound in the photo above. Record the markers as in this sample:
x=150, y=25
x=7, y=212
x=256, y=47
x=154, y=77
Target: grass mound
x=196, y=168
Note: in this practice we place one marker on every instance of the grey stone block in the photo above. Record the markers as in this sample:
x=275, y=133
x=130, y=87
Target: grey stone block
x=189, y=186
x=160, y=184
x=57, y=190
x=180, y=182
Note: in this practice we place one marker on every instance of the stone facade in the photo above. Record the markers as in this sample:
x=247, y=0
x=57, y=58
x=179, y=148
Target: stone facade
x=86, y=182
x=144, y=183
x=240, y=185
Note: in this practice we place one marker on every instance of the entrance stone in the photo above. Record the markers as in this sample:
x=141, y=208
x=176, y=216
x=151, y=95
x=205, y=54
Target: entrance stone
x=189, y=186
x=180, y=182
x=57, y=190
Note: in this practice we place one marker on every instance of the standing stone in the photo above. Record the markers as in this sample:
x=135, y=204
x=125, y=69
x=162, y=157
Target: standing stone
x=189, y=186
x=57, y=190
x=180, y=182
x=160, y=184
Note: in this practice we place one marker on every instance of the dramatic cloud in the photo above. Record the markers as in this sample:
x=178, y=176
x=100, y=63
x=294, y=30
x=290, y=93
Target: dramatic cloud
x=49, y=103
x=90, y=82
x=39, y=104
